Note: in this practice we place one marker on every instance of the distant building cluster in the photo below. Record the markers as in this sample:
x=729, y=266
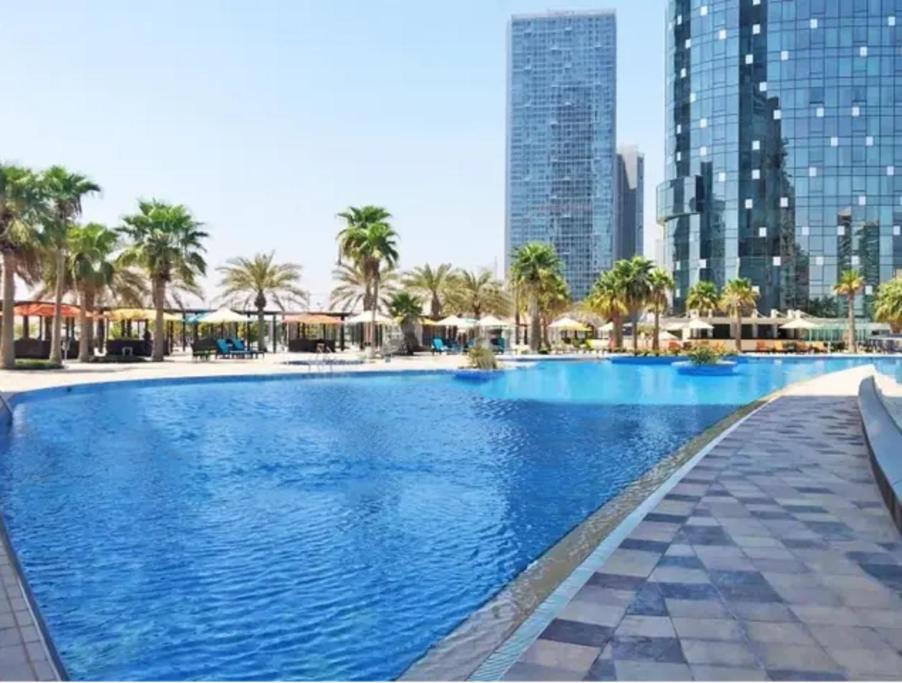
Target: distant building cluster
x=781, y=153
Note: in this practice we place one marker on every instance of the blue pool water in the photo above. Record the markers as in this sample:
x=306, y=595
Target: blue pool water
x=328, y=528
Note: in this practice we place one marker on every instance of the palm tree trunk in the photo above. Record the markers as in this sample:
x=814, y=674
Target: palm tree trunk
x=656, y=342
x=534, y=323
x=618, y=331
x=436, y=307
x=56, y=336
x=373, y=323
x=8, y=330
x=84, y=329
x=738, y=331
x=261, y=330
x=159, y=331
x=634, y=319
x=853, y=342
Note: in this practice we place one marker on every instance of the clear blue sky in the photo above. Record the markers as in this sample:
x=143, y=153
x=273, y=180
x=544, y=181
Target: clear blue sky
x=267, y=118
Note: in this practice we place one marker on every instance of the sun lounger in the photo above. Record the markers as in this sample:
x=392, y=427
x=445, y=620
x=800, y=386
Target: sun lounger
x=239, y=347
x=438, y=346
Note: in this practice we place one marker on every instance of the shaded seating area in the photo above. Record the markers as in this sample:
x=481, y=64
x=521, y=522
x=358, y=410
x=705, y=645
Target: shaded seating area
x=38, y=347
x=314, y=333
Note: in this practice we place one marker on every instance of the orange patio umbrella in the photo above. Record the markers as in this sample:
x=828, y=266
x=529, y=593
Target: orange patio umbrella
x=43, y=310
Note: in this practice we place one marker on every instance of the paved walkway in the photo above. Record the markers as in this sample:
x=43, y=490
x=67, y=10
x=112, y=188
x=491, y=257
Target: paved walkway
x=773, y=558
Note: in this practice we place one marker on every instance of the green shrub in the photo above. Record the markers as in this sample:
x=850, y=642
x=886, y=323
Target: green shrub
x=36, y=364
x=111, y=358
x=482, y=358
x=705, y=355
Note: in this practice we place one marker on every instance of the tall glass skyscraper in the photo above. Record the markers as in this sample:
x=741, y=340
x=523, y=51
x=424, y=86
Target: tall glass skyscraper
x=784, y=136
x=561, y=139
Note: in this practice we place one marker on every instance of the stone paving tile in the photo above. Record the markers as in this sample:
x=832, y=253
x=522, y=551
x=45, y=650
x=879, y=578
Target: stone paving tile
x=773, y=559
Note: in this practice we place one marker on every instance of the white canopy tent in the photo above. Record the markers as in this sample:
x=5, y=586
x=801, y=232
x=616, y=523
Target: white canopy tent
x=366, y=317
x=221, y=316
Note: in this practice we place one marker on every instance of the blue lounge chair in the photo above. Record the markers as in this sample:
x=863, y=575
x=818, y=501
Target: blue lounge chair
x=438, y=346
x=225, y=350
x=239, y=346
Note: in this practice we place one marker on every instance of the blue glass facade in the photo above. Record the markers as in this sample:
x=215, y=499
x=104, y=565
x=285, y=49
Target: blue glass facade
x=784, y=137
x=561, y=139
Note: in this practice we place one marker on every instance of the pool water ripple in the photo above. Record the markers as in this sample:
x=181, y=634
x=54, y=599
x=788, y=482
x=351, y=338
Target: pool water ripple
x=328, y=529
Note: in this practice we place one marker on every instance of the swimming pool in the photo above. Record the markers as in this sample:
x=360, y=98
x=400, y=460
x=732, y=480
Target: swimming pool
x=327, y=527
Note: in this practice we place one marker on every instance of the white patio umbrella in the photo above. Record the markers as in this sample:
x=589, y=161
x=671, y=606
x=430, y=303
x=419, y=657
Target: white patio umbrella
x=458, y=322
x=700, y=325
x=221, y=316
x=367, y=317
x=490, y=321
x=607, y=327
x=664, y=335
x=568, y=324
x=800, y=324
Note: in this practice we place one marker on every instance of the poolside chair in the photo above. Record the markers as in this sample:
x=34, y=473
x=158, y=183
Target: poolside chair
x=225, y=350
x=778, y=347
x=239, y=347
x=761, y=347
x=438, y=346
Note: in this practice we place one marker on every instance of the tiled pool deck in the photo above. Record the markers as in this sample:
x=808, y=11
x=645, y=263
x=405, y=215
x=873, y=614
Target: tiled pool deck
x=774, y=558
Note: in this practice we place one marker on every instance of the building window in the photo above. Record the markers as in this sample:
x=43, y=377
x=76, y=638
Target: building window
x=869, y=289
x=704, y=10
x=856, y=260
x=721, y=177
x=703, y=123
x=869, y=141
x=834, y=141
x=750, y=59
x=862, y=200
x=723, y=34
x=776, y=260
x=818, y=260
x=897, y=230
x=756, y=29
x=812, y=23
x=762, y=232
x=784, y=55
x=841, y=230
x=784, y=202
x=692, y=97
x=806, y=231
x=756, y=145
x=762, y=86
x=777, y=114
x=756, y=174
x=749, y=203
x=703, y=263
x=688, y=43
x=703, y=151
x=863, y=51
x=819, y=112
x=856, y=111
x=812, y=171
x=891, y=21
x=890, y=170
x=683, y=72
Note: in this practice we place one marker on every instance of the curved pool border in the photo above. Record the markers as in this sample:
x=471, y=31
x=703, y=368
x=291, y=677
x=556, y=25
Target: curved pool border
x=441, y=661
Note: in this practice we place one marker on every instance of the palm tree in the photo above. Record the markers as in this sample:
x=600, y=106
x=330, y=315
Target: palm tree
x=22, y=206
x=660, y=284
x=91, y=267
x=554, y=300
x=849, y=284
x=65, y=191
x=606, y=300
x=167, y=243
x=247, y=281
x=703, y=297
x=369, y=241
x=738, y=295
x=633, y=277
x=431, y=284
x=407, y=309
x=352, y=289
x=532, y=265
x=476, y=293
x=888, y=304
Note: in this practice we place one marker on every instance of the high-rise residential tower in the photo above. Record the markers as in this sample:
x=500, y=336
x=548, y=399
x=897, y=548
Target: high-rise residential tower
x=783, y=156
x=629, y=237
x=561, y=139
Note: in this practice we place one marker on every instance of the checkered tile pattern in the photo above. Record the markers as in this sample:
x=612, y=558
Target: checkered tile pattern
x=773, y=559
